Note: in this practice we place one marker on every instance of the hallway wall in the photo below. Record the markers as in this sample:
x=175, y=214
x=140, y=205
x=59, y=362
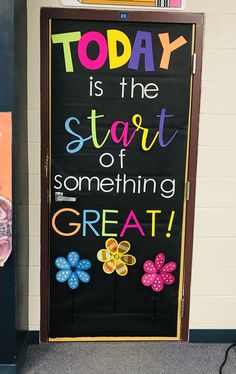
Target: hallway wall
x=213, y=292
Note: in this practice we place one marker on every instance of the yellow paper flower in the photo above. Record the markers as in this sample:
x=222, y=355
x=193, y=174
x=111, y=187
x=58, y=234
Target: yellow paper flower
x=115, y=257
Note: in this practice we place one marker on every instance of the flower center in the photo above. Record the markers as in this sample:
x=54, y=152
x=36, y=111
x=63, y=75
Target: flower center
x=73, y=268
x=116, y=256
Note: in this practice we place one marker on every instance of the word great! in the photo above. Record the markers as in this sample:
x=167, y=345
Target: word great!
x=98, y=223
x=107, y=48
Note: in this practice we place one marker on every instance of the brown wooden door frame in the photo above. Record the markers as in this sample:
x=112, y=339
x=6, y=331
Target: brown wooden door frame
x=112, y=15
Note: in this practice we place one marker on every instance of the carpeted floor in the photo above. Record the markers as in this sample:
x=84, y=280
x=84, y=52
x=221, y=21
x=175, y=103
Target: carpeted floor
x=128, y=358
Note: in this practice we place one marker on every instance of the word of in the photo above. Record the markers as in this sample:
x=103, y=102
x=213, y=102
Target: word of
x=143, y=46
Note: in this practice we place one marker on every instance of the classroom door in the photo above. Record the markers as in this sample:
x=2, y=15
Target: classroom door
x=120, y=97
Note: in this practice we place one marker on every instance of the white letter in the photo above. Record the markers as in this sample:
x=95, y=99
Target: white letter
x=108, y=164
x=76, y=183
x=56, y=180
x=167, y=194
x=122, y=155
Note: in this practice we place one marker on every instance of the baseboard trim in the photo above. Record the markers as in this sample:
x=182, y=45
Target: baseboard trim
x=195, y=336
x=8, y=369
x=33, y=337
x=212, y=336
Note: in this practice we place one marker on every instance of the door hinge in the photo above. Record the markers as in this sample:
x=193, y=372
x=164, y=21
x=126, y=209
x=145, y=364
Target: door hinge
x=182, y=308
x=187, y=190
x=194, y=63
x=46, y=165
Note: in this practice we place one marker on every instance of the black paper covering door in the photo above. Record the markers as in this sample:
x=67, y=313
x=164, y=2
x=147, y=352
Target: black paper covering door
x=119, y=139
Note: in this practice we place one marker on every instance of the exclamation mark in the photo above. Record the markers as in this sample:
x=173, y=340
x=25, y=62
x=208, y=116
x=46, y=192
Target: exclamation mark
x=168, y=234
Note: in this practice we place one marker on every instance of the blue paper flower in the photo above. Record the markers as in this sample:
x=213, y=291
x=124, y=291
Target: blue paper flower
x=72, y=270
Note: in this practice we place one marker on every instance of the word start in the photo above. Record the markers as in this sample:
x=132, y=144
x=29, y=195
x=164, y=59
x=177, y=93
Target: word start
x=124, y=138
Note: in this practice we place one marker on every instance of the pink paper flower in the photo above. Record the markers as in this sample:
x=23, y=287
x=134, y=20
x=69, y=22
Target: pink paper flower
x=156, y=275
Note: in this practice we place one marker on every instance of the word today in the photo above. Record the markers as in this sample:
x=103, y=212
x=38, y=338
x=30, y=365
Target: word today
x=108, y=49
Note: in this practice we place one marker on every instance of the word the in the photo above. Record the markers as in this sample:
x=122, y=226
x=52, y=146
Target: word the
x=149, y=91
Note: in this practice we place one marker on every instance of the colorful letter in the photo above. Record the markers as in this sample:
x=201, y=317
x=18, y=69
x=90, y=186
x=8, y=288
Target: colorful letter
x=93, y=118
x=138, y=50
x=137, y=121
x=153, y=213
x=127, y=224
x=73, y=224
x=113, y=37
x=169, y=47
x=82, y=50
x=161, y=128
x=90, y=222
x=124, y=134
x=78, y=143
x=66, y=39
x=105, y=221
